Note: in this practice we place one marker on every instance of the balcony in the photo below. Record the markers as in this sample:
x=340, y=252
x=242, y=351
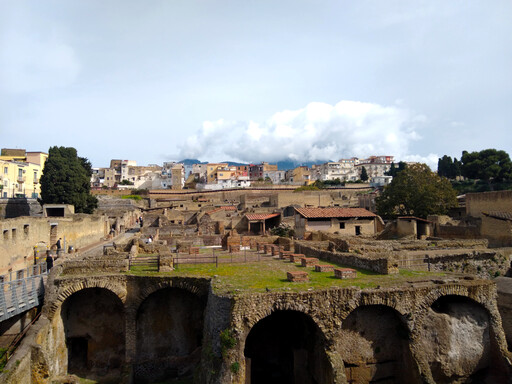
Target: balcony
x=36, y=181
x=21, y=179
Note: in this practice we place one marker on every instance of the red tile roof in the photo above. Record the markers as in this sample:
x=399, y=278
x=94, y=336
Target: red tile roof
x=499, y=215
x=261, y=216
x=313, y=213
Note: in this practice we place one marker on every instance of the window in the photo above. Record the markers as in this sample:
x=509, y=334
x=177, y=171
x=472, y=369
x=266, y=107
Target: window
x=342, y=225
x=20, y=173
x=25, y=229
x=6, y=170
x=35, y=176
x=13, y=233
x=6, y=234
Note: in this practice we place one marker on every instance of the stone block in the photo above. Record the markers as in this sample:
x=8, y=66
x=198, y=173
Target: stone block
x=324, y=268
x=234, y=248
x=295, y=257
x=166, y=263
x=297, y=276
x=308, y=261
x=285, y=254
x=345, y=273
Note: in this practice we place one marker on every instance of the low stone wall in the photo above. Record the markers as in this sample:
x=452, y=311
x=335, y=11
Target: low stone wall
x=107, y=264
x=450, y=231
x=486, y=264
x=383, y=264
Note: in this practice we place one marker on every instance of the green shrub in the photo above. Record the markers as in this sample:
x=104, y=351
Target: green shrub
x=227, y=341
x=235, y=367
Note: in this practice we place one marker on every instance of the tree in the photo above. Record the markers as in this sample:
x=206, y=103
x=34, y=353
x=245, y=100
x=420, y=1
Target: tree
x=66, y=180
x=393, y=170
x=364, y=174
x=489, y=165
x=448, y=168
x=416, y=191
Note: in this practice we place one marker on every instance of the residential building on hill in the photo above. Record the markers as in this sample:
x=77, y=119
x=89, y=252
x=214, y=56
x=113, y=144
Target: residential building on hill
x=20, y=172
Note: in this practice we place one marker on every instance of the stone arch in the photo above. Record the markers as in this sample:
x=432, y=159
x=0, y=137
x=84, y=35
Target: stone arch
x=264, y=311
x=374, y=344
x=284, y=345
x=392, y=301
x=456, y=290
x=168, y=332
x=147, y=290
x=457, y=338
x=67, y=290
x=92, y=321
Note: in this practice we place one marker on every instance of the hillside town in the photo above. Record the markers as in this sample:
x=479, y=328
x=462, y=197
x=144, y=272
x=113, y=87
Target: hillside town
x=216, y=273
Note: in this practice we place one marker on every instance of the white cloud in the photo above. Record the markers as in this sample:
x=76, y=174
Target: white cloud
x=431, y=159
x=317, y=132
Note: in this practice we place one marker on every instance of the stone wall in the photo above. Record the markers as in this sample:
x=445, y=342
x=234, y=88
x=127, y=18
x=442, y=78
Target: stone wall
x=499, y=232
x=476, y=203
x=20, y=235
x=383, y=264
x=10, y=208
x=504, y=285
x=319, y=322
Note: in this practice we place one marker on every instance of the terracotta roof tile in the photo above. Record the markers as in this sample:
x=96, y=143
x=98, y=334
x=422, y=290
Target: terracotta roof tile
x=312, y=213
x=499, y=215
x=261, y=216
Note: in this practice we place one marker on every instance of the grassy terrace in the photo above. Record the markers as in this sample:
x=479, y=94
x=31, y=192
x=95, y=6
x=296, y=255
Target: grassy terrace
x=269, y=273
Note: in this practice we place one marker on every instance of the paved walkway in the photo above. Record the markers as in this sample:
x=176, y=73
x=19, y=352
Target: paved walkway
x=97, y=247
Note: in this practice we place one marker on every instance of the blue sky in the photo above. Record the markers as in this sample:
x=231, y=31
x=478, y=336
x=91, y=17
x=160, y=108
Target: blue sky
x=158, y=80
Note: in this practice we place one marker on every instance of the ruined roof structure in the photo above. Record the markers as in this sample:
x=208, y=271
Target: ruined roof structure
x=313, y=213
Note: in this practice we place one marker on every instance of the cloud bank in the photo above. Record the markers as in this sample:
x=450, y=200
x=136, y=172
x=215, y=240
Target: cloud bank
x=317, y=132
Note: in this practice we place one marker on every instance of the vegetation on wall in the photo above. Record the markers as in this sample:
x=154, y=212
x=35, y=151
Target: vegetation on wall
x=66, y=180
x=416, y=191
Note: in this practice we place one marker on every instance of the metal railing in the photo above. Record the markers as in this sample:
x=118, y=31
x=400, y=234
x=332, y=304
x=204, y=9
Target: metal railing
x=24, y=292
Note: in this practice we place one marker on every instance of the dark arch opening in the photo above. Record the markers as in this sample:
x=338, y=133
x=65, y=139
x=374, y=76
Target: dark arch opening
x=286, y=347
x=169, y=335
x=374, y=346
x=458, y=340
x=93, y=321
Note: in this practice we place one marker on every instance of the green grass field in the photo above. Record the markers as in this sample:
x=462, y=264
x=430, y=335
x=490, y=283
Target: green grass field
x=270, y=274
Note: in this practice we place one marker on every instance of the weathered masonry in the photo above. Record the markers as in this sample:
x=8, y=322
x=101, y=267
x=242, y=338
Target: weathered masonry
x=148, y=329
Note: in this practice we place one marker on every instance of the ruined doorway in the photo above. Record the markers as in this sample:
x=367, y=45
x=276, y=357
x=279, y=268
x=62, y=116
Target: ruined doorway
x=53, y=233
x=93, y=323
x=77, y=354
x=169, y=335
x=374, y=346
x=286, y=347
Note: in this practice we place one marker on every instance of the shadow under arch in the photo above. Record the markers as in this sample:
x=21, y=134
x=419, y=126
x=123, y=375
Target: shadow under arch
x=169, y=330
x=287, y=347
x=374, y=344
x=458, y=340
x=93, y=321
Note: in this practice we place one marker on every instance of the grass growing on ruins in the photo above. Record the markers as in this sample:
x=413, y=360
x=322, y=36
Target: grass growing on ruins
x=269, y=274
